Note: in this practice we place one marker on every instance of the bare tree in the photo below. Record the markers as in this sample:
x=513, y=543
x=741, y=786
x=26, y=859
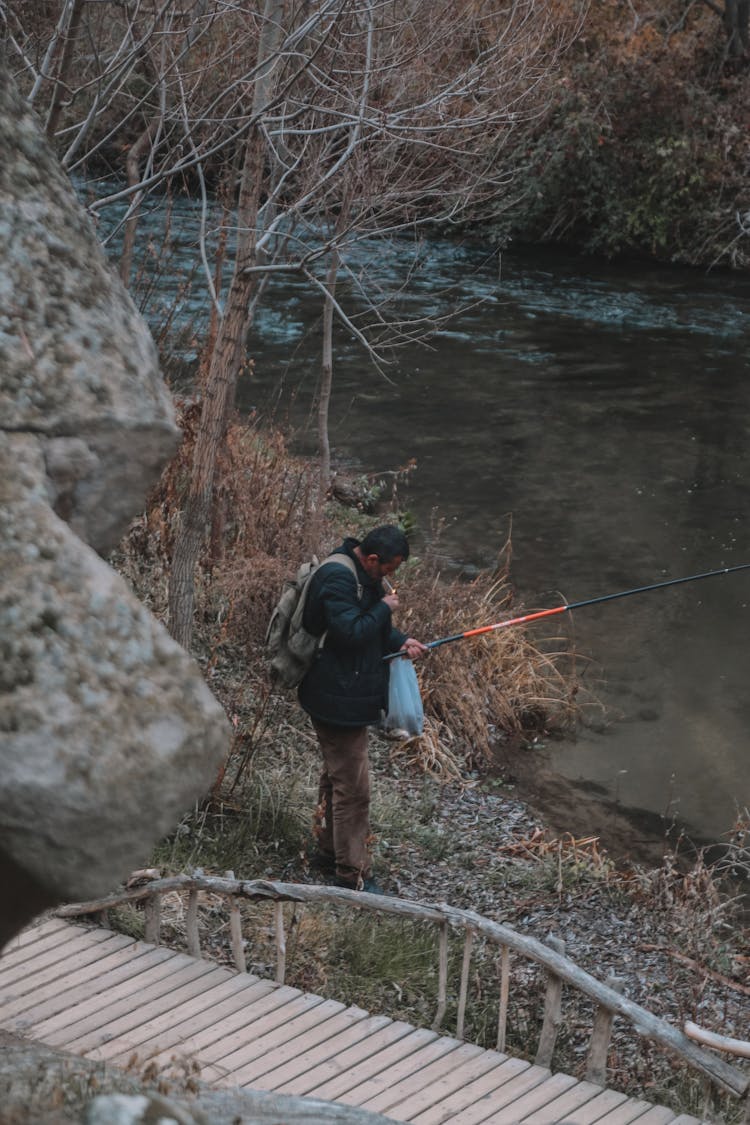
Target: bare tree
x=229, y=349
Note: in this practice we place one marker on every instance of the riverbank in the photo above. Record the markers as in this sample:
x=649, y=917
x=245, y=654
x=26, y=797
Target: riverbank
x=582, y=808
x=450, y=824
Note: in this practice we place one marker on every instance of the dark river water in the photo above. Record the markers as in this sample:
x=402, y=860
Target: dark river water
x=601, y=415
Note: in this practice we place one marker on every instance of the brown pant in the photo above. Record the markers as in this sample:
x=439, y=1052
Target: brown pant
x=343, y=821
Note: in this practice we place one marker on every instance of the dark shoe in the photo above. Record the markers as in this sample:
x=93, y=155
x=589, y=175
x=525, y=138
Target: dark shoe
x=322, y=863
x=372, y=888
x=368, y=885
x=347, y=884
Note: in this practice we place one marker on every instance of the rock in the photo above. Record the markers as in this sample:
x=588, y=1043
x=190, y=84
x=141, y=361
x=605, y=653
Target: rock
x=139, y=1109
x=78, y=366
x=108, y=731
x=108, y=728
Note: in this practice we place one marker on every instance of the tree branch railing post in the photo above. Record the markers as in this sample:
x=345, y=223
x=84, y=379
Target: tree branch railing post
x=502, y=1013
x=552, y=1009
x=463, y=994
x=442, y=975
x=152, y=919
x=191, y=920
x=604, y=1018
x=278, y=909
x=235, y=930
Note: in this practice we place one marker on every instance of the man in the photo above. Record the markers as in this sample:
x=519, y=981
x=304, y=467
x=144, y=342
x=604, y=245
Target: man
x=346, y=689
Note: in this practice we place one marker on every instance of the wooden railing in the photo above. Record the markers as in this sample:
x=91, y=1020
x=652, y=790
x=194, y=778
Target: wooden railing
x=607, y=997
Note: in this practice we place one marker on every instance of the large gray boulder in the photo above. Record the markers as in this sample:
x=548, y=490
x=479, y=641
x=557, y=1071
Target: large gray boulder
x=107, y=729
x=78, y=366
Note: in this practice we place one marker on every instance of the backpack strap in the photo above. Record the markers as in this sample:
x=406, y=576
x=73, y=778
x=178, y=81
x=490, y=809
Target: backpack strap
x=347, y=561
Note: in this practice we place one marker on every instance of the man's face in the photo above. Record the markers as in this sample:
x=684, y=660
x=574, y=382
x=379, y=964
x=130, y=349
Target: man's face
x=377, y=569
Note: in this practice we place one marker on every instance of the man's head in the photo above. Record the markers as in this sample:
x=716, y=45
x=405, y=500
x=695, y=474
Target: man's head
x=383, y=550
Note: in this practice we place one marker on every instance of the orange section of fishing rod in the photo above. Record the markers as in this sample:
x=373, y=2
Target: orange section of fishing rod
x=514, y=621
x=489, y=628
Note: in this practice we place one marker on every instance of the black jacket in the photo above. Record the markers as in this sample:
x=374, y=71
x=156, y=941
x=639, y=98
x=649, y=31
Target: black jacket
x=347, y=684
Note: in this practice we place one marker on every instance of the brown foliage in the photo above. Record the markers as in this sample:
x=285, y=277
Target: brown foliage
x=483, y=688
x=645, y=150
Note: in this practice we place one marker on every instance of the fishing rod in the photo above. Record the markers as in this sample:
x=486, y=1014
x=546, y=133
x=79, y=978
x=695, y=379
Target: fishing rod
x=574, y=605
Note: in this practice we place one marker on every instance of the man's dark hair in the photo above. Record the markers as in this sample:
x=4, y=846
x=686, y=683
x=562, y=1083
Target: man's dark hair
x=386, y=542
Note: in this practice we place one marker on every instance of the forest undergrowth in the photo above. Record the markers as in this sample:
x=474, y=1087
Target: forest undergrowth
x=447, y=827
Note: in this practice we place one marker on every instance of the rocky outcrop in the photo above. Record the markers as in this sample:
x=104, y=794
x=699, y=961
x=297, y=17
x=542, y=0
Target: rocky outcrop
x=107, y=729
x=78, y=366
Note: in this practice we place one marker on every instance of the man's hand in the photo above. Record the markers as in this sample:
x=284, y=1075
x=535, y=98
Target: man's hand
x=414, y=649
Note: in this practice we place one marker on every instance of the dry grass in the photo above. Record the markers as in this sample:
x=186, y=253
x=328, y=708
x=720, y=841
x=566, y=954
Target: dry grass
x=499, y=684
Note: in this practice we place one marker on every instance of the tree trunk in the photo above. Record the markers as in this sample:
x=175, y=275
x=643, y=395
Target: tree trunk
x=133, y=165
x=228, y=354
x=69, y=38
x=326, y=378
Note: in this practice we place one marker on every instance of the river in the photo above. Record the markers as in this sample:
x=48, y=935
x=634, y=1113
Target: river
x=601, y=415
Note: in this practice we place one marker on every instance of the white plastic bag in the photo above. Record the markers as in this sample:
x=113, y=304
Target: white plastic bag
x=405, y=711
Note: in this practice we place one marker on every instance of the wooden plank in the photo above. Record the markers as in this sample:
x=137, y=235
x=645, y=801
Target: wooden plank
x=477, y=1091
x=79, y=959
x=598, y=1107
x=564, y=1107
x=393, y=1093
x=335, y=1088
x=32, y=934
x=261, y=1071
x=686, y=1119
x=219, y=1059
x=48, y=951
x=173, y=1033
x=89, y=1036
x=237, y=1028
x=437, y=1093
x=501, y=1096
x=345, y=1061
x=268, y=1020
x=534, y=1099
x=415, y=1061
x=656, y=1115
x=166, y=1026
x=332, y=1049
x=630, y=1110
x=156, y=979
x=64, y=1011
x=274, y=1038
x=50, y=996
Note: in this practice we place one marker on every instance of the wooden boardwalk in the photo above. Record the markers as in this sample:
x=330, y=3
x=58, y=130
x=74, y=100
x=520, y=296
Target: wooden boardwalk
x=108, y=997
